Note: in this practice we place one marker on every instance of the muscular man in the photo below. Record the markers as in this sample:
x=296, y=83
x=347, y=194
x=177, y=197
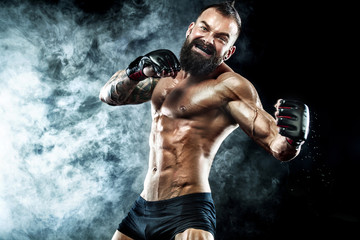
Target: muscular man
x=194, y=108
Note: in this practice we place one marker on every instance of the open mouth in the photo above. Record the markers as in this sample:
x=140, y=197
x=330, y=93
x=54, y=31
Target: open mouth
x=205, y=49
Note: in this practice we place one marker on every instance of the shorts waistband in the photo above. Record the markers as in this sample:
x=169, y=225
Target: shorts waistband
x=188, y=198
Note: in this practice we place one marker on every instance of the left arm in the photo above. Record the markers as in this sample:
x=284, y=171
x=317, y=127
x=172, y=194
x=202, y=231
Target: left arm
x=261, y=127
x=270, y=133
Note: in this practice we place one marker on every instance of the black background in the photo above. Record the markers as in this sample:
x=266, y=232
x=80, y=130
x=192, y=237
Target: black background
x=303, y=50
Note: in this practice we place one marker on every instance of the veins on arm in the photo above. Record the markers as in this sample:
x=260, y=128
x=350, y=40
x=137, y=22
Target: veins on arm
x=261, y=127
x=246, y=109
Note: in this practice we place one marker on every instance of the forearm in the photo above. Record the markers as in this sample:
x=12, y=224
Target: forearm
x=136, y=84
x=266, y=133
x=118, y=89
x=261, y=127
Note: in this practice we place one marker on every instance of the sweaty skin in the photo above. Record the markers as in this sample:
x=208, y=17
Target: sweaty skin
x=191, y=116
x=190, y=119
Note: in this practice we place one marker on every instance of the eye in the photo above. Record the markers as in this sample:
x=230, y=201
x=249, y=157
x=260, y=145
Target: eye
x=203, y=28
x=223, y=39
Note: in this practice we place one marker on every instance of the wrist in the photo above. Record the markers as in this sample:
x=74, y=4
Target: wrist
x=293, y=143
x=137, y=76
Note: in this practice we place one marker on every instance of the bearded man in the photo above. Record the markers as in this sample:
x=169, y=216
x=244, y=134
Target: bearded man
x=196, y=103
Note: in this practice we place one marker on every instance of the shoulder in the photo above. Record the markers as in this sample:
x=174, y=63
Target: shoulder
x=232, y=79
x=241, y=87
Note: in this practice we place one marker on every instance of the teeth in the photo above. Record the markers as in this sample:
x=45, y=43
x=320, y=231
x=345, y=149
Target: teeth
x=203, y=49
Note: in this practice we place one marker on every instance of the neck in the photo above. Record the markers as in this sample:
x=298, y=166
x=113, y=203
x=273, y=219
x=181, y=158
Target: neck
x=183, y=75
x=223, y=67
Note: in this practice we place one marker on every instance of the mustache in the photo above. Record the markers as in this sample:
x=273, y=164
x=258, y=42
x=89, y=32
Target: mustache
x=208, y=48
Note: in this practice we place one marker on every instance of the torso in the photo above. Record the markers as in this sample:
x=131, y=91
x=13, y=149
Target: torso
x=189, y=124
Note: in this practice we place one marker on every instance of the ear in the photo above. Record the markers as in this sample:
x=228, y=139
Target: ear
x=190, y=28
x=229, y=53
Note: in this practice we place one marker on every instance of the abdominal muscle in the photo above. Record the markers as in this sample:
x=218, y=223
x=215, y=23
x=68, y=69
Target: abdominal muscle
x=181, y=154
x=172, y=179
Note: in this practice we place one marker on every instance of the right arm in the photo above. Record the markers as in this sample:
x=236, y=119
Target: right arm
x=283, y=135
x=136, y=84
x=121, y=90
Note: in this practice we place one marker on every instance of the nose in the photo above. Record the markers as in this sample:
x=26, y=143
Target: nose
x=208, y=39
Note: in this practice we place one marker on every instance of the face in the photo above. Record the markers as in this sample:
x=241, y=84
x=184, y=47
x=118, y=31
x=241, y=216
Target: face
x=209, y=42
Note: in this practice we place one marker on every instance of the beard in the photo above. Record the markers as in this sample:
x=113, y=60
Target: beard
x=195, y=63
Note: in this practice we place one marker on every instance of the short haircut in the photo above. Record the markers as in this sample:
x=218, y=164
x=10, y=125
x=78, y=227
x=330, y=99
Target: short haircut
x=227, y=9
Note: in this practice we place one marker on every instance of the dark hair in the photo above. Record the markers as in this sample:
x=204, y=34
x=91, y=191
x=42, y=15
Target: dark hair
x=227, y=9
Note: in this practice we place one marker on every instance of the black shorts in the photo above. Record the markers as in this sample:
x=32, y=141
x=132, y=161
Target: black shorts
x=162, y=220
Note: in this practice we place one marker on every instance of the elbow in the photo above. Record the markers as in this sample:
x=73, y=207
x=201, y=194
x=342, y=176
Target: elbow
x=101, y=97
x=106, y=98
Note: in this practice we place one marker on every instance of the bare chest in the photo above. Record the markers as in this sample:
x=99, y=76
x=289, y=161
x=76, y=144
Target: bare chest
x=183, y=100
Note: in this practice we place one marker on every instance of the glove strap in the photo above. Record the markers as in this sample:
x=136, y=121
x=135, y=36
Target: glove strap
x=293, y=143
x=135, y=71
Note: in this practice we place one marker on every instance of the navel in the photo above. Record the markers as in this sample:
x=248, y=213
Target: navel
x=182, y=108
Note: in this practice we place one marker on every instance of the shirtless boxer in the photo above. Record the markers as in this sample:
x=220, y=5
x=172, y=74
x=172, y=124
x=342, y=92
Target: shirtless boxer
x=194, y=108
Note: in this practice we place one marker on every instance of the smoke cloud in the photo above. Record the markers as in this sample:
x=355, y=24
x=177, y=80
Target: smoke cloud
x=71, y=166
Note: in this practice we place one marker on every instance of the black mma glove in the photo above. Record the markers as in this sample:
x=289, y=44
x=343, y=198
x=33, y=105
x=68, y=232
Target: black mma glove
x=160, y=60
x=293, y=121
